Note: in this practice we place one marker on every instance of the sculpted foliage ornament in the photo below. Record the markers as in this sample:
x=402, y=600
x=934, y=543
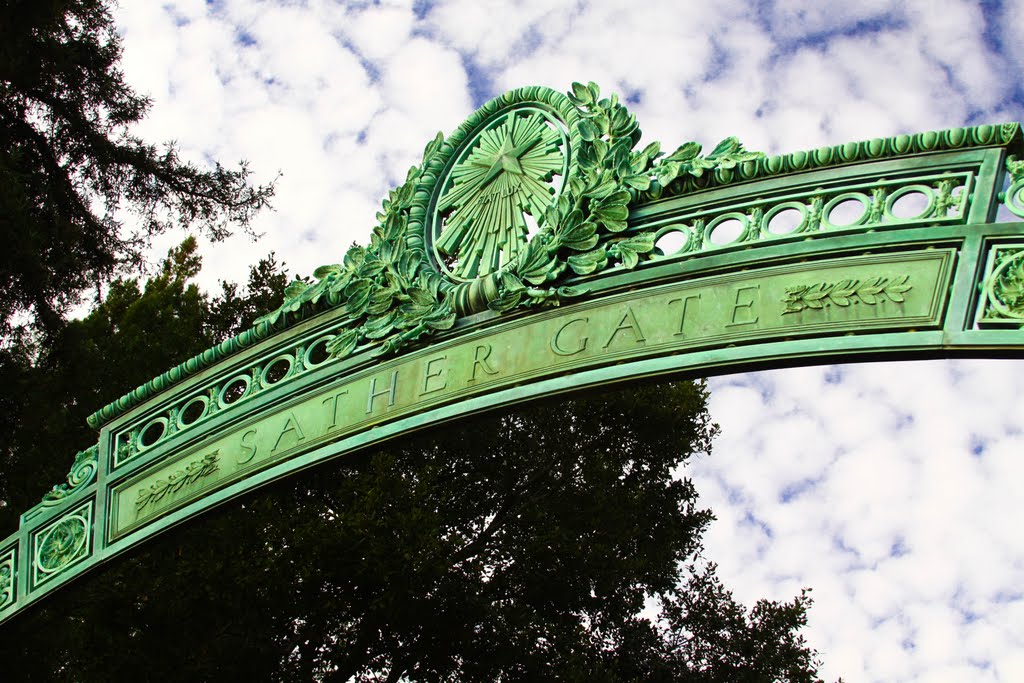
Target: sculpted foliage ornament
x=6, y=579
x=846, y=293
x=455, y=238
x=82, y=473
x=1004, y=287
x=1008, y=287
x=192, y=473
x=389, y=292
x=63, y=543
x=1014, y=195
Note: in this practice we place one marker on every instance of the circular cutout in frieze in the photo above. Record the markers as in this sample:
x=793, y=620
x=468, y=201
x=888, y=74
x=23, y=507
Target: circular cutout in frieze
x=192, y=411
x=317, y=353
x=276, y=370
x=785, y=219
x=846, y=210
x=234, y=390
x=911, y=203
x=152, y=432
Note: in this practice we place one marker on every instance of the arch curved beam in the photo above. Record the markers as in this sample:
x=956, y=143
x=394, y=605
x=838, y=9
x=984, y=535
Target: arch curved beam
x=644, y=265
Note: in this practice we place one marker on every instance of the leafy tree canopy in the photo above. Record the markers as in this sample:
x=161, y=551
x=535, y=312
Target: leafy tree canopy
x=520, y=546
x=70, y=166
x=138, y=330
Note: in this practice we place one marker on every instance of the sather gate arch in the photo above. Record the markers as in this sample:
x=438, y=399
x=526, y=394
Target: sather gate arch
x=538, y=250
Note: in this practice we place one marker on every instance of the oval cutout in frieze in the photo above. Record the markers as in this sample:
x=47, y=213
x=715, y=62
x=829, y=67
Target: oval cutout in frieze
x=277, y=370
x=234, y=390
x=193, y=411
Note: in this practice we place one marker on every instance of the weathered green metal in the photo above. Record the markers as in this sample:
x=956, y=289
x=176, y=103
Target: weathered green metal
x=502, y=177
x=638, y=264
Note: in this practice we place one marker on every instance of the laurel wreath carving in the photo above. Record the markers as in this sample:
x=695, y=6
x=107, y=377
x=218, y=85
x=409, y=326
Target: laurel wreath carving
x=846, y=293
x=192, y=473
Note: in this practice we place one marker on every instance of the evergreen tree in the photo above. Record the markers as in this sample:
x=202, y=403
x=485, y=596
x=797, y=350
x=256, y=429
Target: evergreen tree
x=70, y=167
x=138, y=330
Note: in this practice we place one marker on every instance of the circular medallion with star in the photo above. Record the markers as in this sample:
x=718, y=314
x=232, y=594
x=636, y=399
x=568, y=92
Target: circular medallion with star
x=499, y=172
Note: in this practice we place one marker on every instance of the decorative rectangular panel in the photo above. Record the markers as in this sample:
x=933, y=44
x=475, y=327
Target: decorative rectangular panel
x=1002, y=288
x=62, y=544
x=898, y=291
x=8, y=577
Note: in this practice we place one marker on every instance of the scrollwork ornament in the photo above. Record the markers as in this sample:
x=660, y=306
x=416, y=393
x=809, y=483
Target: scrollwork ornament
x=7, y=586
x=82, y=473
x=1013, y=198
x=1004, y=287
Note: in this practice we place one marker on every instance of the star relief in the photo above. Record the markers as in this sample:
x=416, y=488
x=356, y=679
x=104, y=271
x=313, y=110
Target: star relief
x=506, y=176
x=507, y=159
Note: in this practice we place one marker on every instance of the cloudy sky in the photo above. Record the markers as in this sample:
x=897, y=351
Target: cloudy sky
x=891, y=489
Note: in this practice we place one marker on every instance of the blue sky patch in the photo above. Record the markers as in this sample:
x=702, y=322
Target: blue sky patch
x=794, y=490
x=481, y=84
x=244, y=38
x=421, y=8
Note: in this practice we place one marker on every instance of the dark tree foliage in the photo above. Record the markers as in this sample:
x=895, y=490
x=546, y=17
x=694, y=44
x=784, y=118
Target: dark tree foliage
x=136, y=332
x=70, y=167
x=236, y=308
x=509, y=547
x=519, y=546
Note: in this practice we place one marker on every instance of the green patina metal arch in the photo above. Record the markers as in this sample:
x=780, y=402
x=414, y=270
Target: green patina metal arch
x=642, y=264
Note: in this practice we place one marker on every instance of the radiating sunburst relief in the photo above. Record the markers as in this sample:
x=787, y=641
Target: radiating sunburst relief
x=507, y=175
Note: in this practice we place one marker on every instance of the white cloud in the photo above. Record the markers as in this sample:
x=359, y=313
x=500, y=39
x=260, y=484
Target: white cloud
x=379, y=33
x=917, y=490
x=794, y=19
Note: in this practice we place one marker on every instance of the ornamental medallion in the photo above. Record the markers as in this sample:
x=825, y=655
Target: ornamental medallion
x=63, y=543
x=498, y=180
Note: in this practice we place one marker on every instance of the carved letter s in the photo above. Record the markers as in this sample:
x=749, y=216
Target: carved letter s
x=249, y=448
